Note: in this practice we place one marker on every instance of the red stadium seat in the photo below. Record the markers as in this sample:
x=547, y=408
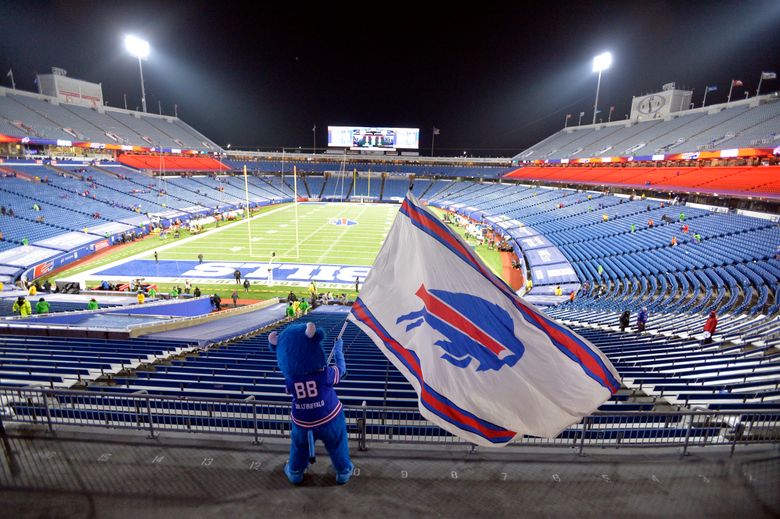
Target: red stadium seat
x=733, y=179
x=169, y=163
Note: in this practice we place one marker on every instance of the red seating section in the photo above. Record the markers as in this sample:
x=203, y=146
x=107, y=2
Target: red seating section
x=169, y=163
x=747, y=180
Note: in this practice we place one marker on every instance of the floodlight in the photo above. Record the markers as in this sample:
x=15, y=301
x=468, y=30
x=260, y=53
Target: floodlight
x=602, y=62
x=137, y=47
x=140, y=49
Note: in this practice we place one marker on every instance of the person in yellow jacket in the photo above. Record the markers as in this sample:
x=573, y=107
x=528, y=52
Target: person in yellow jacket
x=141, y=298
x=22, y=307
x=33, y=290
x=558, y=291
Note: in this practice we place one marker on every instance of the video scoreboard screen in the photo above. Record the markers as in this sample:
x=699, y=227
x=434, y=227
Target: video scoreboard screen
x=373, y=138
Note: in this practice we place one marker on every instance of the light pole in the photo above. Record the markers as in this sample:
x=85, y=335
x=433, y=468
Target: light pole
x=140, y=49
x=600, y=63
x=314, y=138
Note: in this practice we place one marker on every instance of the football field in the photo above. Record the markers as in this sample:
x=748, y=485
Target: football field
x=334, y=243
x=335, y=234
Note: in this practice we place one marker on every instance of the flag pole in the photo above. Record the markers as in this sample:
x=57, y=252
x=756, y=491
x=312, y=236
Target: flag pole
x=728, y=99
x=704, y=101
x=760, y=79
x=11, y=73
x=433, y=139
x=330, y=357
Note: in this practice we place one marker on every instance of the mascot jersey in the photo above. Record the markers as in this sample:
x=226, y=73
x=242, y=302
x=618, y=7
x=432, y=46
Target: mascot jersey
x=314, y=401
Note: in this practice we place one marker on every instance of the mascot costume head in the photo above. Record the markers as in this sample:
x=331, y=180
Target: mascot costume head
x=316, y=410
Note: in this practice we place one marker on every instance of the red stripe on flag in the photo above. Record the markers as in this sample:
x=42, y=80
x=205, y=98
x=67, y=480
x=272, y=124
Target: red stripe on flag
x=584, y=357
x=451, y=316
x=423, y=219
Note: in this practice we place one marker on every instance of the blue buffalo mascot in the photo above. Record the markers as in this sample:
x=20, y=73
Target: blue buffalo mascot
x=316, y=409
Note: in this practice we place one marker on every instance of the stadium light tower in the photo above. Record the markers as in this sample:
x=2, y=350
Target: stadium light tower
x=600, y=63
x=140, y=49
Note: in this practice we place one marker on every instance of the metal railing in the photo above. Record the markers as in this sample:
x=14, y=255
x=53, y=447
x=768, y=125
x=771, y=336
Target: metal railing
x=371, y=425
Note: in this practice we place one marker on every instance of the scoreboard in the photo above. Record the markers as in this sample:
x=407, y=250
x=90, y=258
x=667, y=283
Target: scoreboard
x=372, y=138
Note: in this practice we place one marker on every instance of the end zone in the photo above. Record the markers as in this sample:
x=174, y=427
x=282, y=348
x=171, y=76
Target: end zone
x=222, y=272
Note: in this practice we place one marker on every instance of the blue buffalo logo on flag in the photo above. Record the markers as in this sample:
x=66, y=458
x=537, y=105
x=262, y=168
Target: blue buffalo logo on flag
x=469, y=336
x=486, y=365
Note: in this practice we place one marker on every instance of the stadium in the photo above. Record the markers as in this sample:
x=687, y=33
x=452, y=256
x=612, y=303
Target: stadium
x=144, y=266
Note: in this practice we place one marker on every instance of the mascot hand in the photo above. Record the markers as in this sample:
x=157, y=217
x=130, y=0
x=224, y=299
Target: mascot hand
x=338, y=357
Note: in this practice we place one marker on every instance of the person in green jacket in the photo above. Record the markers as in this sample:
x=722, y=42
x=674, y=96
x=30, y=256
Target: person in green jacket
x=22, y=307
x=42, y=306
x=290, y=310
x=92, y=305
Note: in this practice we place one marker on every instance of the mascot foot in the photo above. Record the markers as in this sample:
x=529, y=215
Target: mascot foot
x=295, y=477
x=343, y=476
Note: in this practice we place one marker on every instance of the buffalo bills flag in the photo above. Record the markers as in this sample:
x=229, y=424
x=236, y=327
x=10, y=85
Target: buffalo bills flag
x=486, y=365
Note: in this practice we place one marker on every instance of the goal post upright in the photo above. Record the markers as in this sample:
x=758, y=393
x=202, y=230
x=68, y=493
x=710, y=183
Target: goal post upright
x=248, y=222
x=295, y=201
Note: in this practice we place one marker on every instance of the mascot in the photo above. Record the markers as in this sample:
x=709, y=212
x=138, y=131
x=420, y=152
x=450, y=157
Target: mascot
x=316, y=410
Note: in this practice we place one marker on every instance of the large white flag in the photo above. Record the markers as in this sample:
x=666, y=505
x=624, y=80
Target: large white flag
x=486, y=365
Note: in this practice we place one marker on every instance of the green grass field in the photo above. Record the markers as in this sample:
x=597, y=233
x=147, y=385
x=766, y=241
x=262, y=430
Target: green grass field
x=318, y=240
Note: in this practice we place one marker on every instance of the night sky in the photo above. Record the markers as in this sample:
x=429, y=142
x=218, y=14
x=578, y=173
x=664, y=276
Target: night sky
x=494, y=80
